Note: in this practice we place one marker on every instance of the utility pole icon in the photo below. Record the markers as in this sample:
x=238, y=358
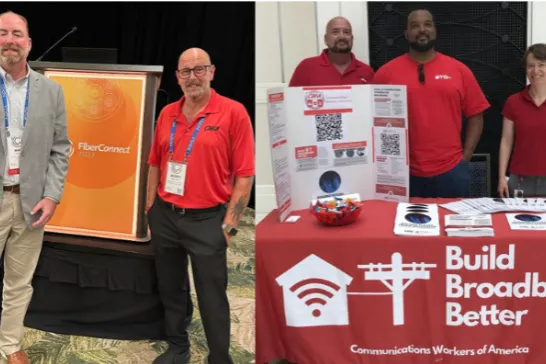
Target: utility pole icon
x=396, y=273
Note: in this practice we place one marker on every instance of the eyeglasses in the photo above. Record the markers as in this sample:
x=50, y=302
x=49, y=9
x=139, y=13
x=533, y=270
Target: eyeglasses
x=197, y=71
x=421, y=72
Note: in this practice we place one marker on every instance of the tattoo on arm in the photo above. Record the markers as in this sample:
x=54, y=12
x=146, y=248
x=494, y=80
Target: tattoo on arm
x=239, y=207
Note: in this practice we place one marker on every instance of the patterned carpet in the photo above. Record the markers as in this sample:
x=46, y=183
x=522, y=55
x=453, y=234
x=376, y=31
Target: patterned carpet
x=48, y=348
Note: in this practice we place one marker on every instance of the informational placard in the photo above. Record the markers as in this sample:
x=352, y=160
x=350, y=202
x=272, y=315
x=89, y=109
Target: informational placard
x=417, y=220
x=527, y=221
x=338, y=140
x=105, y=121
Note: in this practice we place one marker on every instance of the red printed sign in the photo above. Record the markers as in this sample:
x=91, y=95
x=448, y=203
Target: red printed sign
x=276, y=97
x=350, y=145
x=328, y=100
x=306, y=152
x=390, y=122
x=375, y=302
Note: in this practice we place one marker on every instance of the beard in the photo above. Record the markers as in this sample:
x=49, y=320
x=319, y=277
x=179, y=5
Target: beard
x=11, y=58
x=336, y=49
x=194, y=93
x=420, y=47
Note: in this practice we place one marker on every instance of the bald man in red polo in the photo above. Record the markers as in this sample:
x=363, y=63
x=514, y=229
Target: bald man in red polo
x=336, y=65
x=199, y=182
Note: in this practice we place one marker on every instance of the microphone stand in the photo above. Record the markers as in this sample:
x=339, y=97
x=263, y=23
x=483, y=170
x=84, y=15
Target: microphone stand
x=56, y=43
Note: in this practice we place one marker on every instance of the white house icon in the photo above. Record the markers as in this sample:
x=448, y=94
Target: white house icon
x=315, y=294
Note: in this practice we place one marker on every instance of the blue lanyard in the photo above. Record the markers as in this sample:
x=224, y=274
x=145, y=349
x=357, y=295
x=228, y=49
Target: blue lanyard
x=190, y=145
x=5, y=102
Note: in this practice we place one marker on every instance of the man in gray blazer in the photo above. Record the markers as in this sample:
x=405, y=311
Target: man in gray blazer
x=34, y=152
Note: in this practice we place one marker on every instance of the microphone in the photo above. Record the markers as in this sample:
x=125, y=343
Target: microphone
x=167, y=97
x=56, y=43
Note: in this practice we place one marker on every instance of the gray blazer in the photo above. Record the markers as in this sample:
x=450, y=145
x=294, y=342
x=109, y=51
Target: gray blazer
x=44, y=155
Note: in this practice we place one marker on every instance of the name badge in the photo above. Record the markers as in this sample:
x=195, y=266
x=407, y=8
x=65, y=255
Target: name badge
x=176, y=178
x=15, y=144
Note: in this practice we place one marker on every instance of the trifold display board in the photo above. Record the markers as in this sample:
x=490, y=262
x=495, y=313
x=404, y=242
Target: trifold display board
x=110, y=111
x=332, y=141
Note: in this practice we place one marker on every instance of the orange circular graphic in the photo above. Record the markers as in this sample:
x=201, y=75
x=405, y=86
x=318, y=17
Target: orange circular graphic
x=95, y=99
x=103, y=126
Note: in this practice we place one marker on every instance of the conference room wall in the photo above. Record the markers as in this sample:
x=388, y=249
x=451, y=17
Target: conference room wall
x=288, y=32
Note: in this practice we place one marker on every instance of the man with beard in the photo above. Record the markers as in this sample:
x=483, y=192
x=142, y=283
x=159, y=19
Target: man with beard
x=440, y=89
x=336, y=65
x=202, y=156
x=34, y=151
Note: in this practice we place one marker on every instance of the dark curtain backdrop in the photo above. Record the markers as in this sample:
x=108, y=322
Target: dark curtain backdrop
x=489, y=37
x=154, y=34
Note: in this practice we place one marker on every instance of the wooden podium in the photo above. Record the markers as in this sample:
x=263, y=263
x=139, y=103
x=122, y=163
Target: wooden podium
x=110, y=112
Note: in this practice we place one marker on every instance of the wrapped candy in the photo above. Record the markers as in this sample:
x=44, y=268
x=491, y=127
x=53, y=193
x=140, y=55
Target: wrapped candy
x=337, y=211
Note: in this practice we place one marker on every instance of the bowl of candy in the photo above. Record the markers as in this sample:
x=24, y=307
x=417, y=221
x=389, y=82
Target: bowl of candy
x=337, y=212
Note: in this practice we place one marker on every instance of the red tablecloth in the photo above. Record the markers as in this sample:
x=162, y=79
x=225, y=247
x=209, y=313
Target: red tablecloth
x=315, y=305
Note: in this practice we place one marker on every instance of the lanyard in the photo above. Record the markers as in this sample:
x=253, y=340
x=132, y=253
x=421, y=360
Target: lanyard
x=520, y=182
x=190, y=145
x=5, y=102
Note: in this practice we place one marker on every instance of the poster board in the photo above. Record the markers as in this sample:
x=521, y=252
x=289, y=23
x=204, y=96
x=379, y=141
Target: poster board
x=338, y=140
x=110, y=114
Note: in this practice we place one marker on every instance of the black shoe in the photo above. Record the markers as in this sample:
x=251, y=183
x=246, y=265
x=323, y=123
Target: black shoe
x=182, y=358
x=172, y=356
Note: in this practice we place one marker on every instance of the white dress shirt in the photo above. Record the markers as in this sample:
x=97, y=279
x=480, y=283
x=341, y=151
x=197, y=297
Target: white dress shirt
x=16, y=95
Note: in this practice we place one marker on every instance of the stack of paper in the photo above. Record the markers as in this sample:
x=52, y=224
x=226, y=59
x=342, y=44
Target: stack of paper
x=470, y=232
x=527, y=221
x=468, y=220
x=417, y=220
x=486, y=205
x=469, y=225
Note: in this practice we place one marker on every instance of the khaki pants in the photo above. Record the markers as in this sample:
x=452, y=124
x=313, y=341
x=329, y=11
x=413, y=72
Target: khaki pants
x=21, y=249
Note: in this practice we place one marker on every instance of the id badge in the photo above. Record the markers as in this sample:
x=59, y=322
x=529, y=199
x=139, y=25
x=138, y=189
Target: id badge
x=518, y=193
x=176, y=178
x=14, y=142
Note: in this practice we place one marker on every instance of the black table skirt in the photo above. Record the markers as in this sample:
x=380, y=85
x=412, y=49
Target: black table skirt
x=81, y=290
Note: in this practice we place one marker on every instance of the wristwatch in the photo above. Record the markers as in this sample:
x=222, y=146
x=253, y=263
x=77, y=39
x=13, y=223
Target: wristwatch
x=230, y=230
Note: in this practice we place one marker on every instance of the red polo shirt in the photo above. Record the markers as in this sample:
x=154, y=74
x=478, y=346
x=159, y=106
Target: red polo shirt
x=318, y=71
x=223, y=148
x=530, y=131
x=435, y=109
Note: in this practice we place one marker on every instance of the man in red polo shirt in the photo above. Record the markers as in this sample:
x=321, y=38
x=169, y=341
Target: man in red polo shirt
x=440, y=89
x=202, y=157
x=336, y=65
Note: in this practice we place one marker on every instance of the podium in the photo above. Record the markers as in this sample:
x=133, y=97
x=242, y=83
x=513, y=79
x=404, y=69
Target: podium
x=110, y=113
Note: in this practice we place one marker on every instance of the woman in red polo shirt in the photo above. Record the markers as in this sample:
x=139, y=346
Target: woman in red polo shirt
x=525, y=122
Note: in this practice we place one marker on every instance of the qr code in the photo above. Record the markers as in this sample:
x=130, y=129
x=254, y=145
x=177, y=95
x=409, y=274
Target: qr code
x=329, y=127
x=390, y=144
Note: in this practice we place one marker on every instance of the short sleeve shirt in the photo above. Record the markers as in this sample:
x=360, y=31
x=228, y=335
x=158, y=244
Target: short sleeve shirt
x=222, y=149
x=435, y=109
x=319, y=71
x=530, y=133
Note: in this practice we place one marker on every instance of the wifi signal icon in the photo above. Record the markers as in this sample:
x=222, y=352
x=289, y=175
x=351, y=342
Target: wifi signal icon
x=315, y=291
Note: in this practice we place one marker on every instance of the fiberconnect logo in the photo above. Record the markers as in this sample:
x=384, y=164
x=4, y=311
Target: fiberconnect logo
x=315, y=291
x=86, y=150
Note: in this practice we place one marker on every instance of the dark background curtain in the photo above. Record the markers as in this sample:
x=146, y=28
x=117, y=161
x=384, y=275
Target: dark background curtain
x=155, y=34
x=489, y=37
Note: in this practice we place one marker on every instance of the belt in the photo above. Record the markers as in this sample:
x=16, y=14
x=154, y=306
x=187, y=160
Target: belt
x=184, y=211
x=13, y=189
